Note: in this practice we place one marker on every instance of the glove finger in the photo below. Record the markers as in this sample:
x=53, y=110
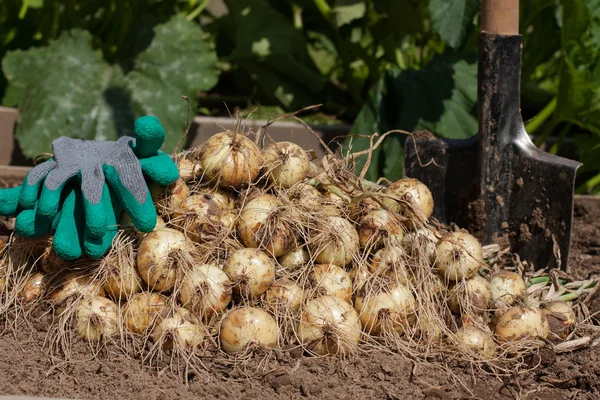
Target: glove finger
x=70, y=228
x=96, y=215
x=142, y=214
x=97, y=247
x=49, y=202
x=149, y=136
x=161, y=169
x=30, y=189
x=27, y=225
x=9, y=201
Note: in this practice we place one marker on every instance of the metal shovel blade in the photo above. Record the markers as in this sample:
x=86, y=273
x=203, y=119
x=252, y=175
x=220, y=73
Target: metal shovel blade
x=498, y=185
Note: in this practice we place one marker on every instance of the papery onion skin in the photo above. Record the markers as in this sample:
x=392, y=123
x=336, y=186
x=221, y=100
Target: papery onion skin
x=247, y=326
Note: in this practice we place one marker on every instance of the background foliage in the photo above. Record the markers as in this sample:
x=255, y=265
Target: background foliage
x=86, y=68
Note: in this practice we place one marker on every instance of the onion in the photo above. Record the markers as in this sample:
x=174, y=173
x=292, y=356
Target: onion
x=358, y=210
x=415, y=192
x=387, y=309
x=459, y=256
x=127, y=224
x=306, y=196
x=188, y=170
x=97, y=318
x=230, y=158
x=294, y=259
x=329, y=325
x=471, y=295
x=72, y=287
x=142, y=309
x=334, y=204
x=429, y=329
x=391, y=262
x=284, y=295
x=522, y=322
x=419, y=243
x=178, y=328
x=120, y=276
x=206, y=290
x=160, y=255
x=379, y=228
x=199, y=217
x=247, y=326
x=226, y=203
x=360, y=275
x=337, y=242
x=561, y=318
x=34, y=288
x=331, y=280
x=474, y=339
x=287, y=163
x=507, y=287
x=50, y=261
x=251, y=271
x=169, y=198
x=262, y=224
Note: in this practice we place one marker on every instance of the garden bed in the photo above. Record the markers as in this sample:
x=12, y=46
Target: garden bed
x=26, y=370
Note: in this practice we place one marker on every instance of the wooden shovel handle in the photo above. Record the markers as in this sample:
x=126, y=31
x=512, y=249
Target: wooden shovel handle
x=500, y=17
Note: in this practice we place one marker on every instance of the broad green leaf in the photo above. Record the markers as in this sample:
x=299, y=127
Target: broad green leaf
x=68, y=90
x=346, y=11
x=441, y=98
x=451, y=19
x=178, y=62
x=579, y=90
x=269, y=52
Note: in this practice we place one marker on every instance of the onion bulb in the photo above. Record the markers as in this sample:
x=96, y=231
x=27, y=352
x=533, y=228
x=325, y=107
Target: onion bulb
x=178, y=328
x=337, y=242
x=329, y=325
x=221, y=197
x=389, y=309
x=306, y=197
x=391, y=262
x=230, y=158
x=522, y=322
x=331, y=280
x=120, y=276
x=199, y=217
x=251, y=271
x=262, y=224
x=561, y=318
x=286, y=163
x=507, y=287
x=34, y=288
x=160, y=255
x=97, y=318
x=169, y=198
x=206, y=290
x=420, y=243
x=474, y=339
x=459, y=256
x=127, y=224
x=188, y=170
x=294, y=259
x=471, y=295
x=415, y=192
x=247, y=326
x=142, y=309
x=72, y=287
x=284, y=295
x=380, y=228
x=360, y=275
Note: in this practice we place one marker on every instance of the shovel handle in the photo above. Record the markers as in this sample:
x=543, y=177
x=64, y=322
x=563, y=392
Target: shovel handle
x=500, y=17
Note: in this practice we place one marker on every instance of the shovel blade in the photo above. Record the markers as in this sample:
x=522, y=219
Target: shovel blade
x=532, y=212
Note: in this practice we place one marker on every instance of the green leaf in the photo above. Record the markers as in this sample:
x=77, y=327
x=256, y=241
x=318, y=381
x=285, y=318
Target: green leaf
x=68, y=90
x=579, y=90
x=271, y=53
x=441, y=98
x=452, y=18
x=177, y=63
x=346, y=11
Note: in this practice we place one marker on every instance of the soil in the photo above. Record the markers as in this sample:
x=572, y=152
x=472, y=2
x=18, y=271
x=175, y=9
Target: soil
x=25, y=368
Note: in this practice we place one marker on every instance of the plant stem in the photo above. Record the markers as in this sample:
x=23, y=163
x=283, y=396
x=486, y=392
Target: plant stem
x=542, y=117
x=198, y=10
x=561, y=138
x=541, y=279
x=588, y=185
x=323, y=7
x=297, y=10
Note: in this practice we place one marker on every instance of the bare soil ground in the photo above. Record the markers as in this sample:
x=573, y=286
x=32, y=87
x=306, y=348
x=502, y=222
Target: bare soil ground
x=26, y=370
